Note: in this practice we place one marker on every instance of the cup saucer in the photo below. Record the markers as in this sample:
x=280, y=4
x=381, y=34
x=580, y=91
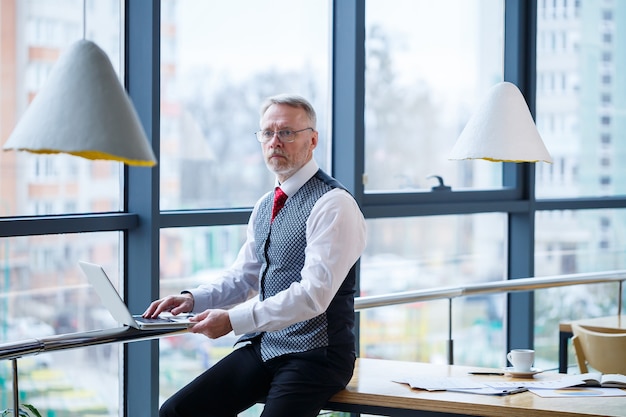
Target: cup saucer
x=521, y=374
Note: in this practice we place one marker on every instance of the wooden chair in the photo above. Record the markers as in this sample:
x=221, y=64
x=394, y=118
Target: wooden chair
x=604, y=352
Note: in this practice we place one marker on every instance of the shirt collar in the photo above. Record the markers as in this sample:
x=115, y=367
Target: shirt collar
x=297, y=180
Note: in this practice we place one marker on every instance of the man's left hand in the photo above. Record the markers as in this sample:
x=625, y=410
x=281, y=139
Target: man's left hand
x=211, y=323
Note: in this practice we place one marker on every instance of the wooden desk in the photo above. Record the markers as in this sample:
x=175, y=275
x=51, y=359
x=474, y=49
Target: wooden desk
x=371, y=391
x=609, y=324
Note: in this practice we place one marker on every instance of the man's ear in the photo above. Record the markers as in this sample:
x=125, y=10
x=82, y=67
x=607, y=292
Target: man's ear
x=314, y=140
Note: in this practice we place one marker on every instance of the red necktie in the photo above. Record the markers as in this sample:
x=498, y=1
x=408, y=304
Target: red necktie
x=279, y=201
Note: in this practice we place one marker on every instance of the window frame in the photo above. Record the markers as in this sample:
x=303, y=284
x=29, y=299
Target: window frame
x=142, y=220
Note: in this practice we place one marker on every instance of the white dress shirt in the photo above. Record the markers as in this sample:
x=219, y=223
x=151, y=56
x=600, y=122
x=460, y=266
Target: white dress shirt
x=335, y=233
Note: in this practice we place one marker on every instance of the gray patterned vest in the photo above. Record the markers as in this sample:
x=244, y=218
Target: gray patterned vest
x=281, y=249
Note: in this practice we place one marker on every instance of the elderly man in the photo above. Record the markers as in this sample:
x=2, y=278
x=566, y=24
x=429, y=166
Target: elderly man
x=290, y=292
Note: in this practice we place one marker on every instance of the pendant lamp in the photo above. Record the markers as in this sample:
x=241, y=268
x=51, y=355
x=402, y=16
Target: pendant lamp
x=83, y=110
x=502, y=130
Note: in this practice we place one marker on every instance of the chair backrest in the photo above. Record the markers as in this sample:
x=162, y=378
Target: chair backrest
x=604, y=352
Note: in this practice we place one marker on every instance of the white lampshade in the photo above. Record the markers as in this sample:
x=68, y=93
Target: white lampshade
x=83, y=110
x=502, y=130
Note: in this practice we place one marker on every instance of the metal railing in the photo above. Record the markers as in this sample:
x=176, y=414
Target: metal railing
x=513, y=285
x=15, y=350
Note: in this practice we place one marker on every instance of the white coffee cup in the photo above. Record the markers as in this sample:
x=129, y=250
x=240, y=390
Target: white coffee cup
x=521, y=359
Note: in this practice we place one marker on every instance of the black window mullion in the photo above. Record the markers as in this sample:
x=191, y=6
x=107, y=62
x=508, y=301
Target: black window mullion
x=348, y=102
x=141, y=196
x=519, y=68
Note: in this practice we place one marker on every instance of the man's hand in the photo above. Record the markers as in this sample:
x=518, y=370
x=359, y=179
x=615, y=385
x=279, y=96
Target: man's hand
x=175, y=304
x=211, y=323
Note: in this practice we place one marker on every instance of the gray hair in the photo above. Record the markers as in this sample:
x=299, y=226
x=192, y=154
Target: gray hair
x=292, y=100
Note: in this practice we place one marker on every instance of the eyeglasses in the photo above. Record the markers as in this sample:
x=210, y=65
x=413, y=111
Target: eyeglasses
x=285, y=136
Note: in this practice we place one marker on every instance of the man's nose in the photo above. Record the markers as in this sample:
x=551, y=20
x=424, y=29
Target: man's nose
x=275, y=138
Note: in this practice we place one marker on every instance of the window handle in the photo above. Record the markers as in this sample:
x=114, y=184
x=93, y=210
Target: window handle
x=441, y=186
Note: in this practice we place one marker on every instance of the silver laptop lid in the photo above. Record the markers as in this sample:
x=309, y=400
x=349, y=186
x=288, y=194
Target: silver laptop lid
x=108, y=295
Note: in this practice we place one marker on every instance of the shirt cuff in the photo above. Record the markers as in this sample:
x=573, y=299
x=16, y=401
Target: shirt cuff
x=198, y=305
x=242, y=319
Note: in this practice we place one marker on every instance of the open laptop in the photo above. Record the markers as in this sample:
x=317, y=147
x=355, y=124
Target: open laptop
x=114, y=303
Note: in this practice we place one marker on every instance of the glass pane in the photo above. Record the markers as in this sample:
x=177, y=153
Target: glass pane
x=580, y=97
x=189, y=257
x=408, y=254
x=39, y=32
x=44, y=293
x=429, y=64
x=571, y=242
x=215, y=72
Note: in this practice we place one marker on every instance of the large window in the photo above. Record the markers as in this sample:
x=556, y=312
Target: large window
x=189, y=257
x=421, y=253
x=219, y=60
x=427, y=69
x=580, y=99
x=571, y=242
x=42, y=291
x=33, y=37
x=580, y=103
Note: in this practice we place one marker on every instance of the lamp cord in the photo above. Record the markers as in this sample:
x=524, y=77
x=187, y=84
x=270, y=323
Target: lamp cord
x=84, y=19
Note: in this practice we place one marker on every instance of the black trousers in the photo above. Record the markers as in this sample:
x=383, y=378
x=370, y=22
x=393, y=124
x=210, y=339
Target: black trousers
x=294, y=385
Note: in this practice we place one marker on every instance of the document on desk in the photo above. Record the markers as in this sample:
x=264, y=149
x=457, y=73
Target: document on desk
x=490, y=387
x=572, y=392
x=490, y=390
x=564, y=382
x=430, y=383
x=458, y=384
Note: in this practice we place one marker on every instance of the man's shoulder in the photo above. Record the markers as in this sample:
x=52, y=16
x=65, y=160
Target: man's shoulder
x=328, y=180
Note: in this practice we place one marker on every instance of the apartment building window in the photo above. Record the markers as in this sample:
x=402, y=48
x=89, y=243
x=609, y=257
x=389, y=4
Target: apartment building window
x=36, y=75
x=605, y=223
